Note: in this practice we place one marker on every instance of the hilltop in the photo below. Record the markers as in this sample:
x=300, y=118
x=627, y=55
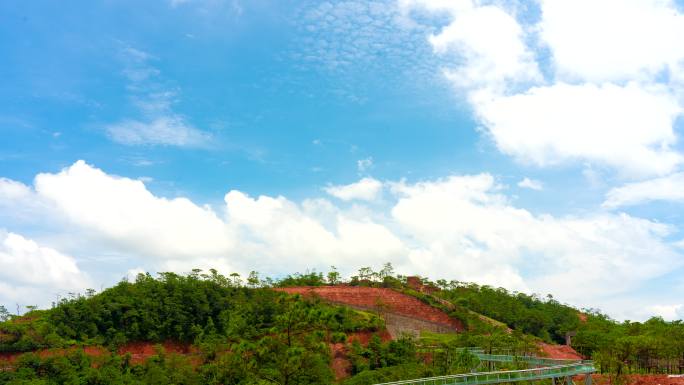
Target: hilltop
x=306, y=329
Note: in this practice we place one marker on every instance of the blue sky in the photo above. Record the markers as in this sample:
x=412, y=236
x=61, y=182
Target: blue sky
x=480, y=141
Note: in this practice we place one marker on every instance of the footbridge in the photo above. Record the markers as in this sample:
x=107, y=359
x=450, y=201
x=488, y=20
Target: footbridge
x=558, y=371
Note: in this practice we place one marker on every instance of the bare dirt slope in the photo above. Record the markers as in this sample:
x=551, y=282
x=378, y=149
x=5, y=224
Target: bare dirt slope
x=402, y=313
x=560, y=351
x=640, y=379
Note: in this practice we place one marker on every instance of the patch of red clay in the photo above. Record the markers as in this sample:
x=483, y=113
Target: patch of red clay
x=560, y=351
x=378, y=298
x=43, y=353
x=640, y=379
x=340, y=364
x=364, y=337
x=582, y=317
x=141, y=351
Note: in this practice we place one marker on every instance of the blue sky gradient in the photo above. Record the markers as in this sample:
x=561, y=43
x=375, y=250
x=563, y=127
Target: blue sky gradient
x=292, y=99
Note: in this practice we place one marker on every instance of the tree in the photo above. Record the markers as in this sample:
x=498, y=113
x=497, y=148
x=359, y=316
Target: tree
x=253, y=279
x=365, y=273
x=236, y=279
x=386, y=271
x=333, y=276
x=4, y=314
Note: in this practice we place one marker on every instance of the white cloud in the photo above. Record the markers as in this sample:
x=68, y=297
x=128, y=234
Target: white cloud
x=461, y=227
x=531, y=184
x=32, y=273
x=122, y=210
x=629, y=128
x=668, y=312
x=121, y=215
x=668, y=188
x=620, y=40
x=610, y=95
x=364, y=165
x=12, y=190
x=367, y=189
x=26, y=262
x=159, y=123
x=165, y=130
x=465, y=229
x=492, y=44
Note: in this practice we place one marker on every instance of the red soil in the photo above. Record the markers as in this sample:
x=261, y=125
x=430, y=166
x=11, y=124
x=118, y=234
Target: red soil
x=379, y=298
x=640, y=379
x=340, y=364
x=89, y=350
x=582, y=317
x=560, y=351
x=140, y=351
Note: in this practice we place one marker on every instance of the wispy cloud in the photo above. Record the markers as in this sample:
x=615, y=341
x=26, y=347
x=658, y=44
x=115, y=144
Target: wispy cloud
x=158, y=123
x=669, y=188
x=165, y=130
x=364, y=165
x=531, y=184
x=367, y=189
x=353, y=39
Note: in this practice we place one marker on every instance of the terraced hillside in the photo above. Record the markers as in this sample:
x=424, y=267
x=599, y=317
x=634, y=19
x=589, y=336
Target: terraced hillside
x=402, y=313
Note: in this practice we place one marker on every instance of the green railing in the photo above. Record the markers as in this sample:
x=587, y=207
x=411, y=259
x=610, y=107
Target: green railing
x=503, y=376
x=530, y=360
x=546, y=368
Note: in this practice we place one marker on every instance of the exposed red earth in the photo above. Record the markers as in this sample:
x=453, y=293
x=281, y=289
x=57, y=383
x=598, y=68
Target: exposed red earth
x=582, y=316
x=640, y=379
x=401, y=312
x=560, y=351
x=382, y=300
x=140, y=351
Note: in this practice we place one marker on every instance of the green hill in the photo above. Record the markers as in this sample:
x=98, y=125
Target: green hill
x=234, y=333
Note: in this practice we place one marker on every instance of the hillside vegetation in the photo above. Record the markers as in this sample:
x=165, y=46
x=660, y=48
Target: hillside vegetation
x=247, y=333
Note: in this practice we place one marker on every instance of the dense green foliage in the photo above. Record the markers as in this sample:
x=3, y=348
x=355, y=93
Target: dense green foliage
x=171, y=307
x=547, y=319
x=654, y=346
x=251, y=334
x=245, y=335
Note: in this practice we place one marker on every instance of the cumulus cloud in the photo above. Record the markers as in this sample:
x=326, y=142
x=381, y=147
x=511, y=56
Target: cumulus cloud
x=532, y=184
x=619, y=40
x=124, y=211
x=462, y=227
x=491, y=43
x=122, y=215
x=24, y=261
x=668, y=188
x=31, y=272
x=609, y=94
x=628, y=127
x=367, y=189
x=471, y=231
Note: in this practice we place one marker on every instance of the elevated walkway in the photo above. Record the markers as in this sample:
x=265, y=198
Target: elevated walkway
x=546, y=368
